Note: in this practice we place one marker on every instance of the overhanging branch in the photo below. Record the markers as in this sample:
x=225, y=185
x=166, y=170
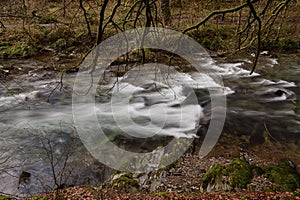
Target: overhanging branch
x=217, y=12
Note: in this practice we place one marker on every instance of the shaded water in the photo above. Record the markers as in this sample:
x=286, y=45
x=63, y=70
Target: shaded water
x=37, y=129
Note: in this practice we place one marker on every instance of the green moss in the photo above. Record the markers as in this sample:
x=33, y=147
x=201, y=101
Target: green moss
x=239, y=174
x=297, y=106
x=257, y=171
x=5, y=198
x=20, y=49
x=244, y=197
x=59, y=44
x=285, y=175
x=39, y=198
x=125, y=181
x=287, y=44
x=213, y=174
x=161, y=193
x=296, y=194
x=214, y=37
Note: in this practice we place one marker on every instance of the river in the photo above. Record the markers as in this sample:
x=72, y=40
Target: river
x=40, y=148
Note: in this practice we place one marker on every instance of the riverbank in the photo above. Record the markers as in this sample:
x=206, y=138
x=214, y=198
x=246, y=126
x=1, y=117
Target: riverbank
x=63, y=44
x=183, y=181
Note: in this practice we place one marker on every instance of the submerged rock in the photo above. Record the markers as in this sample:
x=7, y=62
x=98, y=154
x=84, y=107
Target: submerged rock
x=24, y=178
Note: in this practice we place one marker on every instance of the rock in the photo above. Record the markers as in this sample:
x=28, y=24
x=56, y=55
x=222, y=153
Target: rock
x=24, y=178
x=264, y=53
x=236, y=175
x=284, y=174
x=280, y=92
x=124, y=181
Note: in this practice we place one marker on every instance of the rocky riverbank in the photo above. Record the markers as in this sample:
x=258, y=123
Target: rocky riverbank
x=194, y=178
x=223, y=174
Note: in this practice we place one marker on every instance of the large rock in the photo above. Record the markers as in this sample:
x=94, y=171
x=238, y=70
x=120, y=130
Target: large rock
x=284, y=174
x=237, y=175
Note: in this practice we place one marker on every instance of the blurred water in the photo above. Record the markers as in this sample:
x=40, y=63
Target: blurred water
x=36, y=114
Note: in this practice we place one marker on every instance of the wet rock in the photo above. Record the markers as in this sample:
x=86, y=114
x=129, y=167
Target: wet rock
x=280, y=92
x=264, y=53
x=24, y=178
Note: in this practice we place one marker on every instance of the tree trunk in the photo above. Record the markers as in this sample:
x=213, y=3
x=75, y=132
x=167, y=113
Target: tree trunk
x=166, y=11
x=101, y=22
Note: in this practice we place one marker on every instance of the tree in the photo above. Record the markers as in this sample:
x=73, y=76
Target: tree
x=166, y=12
x=254, y=21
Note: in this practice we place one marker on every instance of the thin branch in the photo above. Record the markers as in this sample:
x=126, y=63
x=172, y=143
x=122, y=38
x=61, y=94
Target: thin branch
x=85, y=18
x=217, y=12
x=110, y=20
x=2, y=26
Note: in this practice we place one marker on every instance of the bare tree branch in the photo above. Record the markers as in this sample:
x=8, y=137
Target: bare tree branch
x=217, y=12
x=86, y=19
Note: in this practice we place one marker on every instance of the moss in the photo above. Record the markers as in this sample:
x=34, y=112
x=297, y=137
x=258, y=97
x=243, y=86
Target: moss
x=297, y=106
x=48, y=19
x=59, y=44
x=20, y=49
x=212, y=179
x=285, y=175
x=125, y=181
x=257, y=171
x=5, y=198
x=244, y=197
x=213, y=174
x=239, y=174
x=21, y=43
x=161, y=193
x=296, y=194
x=39, y=198
x=286, y=44
x=214, y=37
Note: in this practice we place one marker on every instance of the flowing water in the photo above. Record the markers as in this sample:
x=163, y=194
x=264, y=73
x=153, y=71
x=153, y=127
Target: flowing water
x=40, y=148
